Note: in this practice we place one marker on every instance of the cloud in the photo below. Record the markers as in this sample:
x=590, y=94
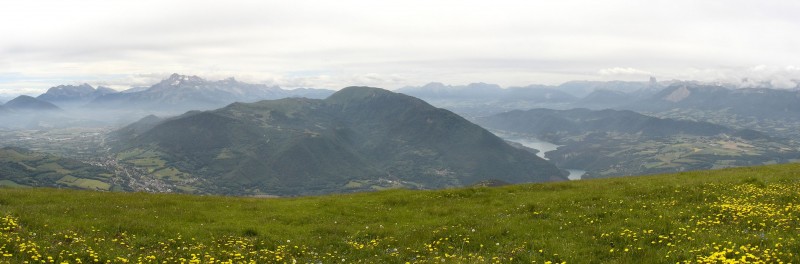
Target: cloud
x=623, y=71
x=338, y=81
x=781, y=77
x=383, y=43
x=778, y=77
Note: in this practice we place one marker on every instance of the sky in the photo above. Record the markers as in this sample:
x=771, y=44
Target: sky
x=391, y=44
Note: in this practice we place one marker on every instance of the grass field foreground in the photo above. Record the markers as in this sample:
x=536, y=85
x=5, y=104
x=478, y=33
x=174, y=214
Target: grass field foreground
x=741, y=215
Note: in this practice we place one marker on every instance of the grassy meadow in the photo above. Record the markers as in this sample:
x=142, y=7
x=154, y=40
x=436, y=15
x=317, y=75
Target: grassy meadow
x=741, y=215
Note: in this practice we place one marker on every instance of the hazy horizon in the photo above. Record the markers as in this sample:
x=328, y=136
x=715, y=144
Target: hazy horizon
x=728, y=83
x=331, y=45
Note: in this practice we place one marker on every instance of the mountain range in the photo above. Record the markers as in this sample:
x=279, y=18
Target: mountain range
x=489, y=92
x=359, y=138
x=183, y=93
x=763, y=108
x=755, y=102
x=480, y=99
x=177, y=93
x=74, y=95
x=85, y=105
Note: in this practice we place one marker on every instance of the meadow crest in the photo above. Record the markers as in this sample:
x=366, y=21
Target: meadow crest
x=742, y=215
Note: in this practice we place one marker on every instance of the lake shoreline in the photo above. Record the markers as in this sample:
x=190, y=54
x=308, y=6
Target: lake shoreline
x=543, y=147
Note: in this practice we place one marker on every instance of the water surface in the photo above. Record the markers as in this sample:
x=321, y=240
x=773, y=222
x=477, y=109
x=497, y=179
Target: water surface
x=542, y=147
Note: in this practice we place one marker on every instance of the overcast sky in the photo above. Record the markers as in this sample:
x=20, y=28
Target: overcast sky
x=390, y=44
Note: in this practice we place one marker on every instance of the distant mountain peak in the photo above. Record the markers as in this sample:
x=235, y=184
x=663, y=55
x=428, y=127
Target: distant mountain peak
x=83, y=88
x=482, y=85
x=186, y=92
x=22, y=98
x=30, y=103
x=70, y=95
x=136, y=89
x=362, y=90
x=104, y=89
x=178, y=79
x=360, y=93
x=434, y=85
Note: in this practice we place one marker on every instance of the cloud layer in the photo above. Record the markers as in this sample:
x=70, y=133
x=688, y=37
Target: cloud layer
x=332, y=44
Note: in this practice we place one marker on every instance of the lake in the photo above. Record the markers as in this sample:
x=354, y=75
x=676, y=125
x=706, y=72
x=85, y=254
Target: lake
x=542, y=146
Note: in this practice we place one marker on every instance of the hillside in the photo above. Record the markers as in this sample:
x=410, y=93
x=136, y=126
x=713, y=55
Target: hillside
x=357, y=139
x=744, y=215
x=611, y=143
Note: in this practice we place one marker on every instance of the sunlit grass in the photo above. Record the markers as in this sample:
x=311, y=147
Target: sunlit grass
x=743, y=215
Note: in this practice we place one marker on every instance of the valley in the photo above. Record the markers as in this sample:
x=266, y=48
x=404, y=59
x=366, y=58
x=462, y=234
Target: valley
x=611, y=143
x=72, y=142
x=86, y=145
x=250, y=148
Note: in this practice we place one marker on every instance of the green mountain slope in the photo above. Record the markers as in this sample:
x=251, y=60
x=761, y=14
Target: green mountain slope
x=357, y=139
x=745, y=214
